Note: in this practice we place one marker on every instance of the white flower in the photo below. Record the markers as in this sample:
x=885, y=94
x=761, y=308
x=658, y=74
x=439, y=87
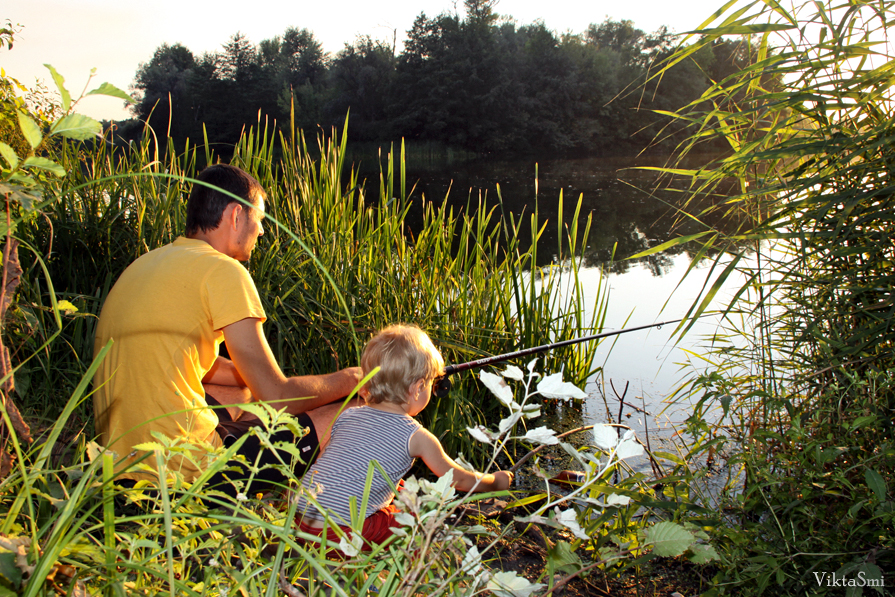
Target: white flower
x=351, y=548
x=498, y=387
x=311, y=490
x=605, y=437
x=569, y=519
x=513, y=372
x=241, y=497
x=553, y=386
x=480, y=433
x=213, y=563
x=509, y=584
x=614, y=499
x=628, y=448
x=542, y=435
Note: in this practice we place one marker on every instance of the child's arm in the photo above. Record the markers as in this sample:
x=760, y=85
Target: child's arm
x=426, y=446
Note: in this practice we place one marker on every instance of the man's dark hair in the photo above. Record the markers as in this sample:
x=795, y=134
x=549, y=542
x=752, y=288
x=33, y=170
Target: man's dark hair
x=205, y=206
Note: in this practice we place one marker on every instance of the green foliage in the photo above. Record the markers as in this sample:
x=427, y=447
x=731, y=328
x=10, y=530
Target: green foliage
x=337, y=265
x=800, y=386
x=23, y=168
x=71, y=529
x=334, y=265
x=479, y=84
x=28, y=183
x=68, y=528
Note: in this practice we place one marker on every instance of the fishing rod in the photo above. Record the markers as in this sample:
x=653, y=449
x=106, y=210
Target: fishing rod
x=442, y=385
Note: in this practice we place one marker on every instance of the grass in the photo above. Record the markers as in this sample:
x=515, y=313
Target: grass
x=335, y=264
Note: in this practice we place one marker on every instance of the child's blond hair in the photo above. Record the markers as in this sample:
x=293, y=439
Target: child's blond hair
x=405, y=355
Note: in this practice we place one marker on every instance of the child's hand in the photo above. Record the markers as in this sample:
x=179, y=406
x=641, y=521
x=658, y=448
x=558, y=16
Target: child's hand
x=502, y=480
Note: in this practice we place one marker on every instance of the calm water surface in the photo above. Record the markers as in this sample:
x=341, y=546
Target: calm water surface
x=628, y=216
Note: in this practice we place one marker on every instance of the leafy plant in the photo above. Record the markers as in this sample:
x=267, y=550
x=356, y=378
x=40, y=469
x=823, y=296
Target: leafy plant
x=23, y=183
x=599, y=513
x=800, y=377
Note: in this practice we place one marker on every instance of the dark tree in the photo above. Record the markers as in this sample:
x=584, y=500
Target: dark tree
x=162, y=87
x=295, y=68
x=360, y=80
x=476, y=82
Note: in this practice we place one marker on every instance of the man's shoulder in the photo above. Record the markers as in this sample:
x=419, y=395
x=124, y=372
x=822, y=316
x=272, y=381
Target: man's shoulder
x=193, y=251
x=184, y=262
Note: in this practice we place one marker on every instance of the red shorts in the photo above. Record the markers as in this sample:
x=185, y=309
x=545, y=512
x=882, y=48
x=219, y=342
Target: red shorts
x=377, y=528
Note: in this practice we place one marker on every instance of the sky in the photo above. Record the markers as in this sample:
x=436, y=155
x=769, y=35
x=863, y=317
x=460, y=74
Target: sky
x=115, y=36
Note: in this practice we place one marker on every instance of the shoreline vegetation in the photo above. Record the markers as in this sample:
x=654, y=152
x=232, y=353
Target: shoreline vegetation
x=475, y=83
x=796, y=404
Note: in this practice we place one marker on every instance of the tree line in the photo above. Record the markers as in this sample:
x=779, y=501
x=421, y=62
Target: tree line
x=480, y=83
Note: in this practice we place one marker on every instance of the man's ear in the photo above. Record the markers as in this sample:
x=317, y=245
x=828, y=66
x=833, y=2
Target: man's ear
x=232, y=214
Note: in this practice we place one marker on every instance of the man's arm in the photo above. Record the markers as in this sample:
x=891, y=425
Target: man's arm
x=426, y=446
x=255, y=363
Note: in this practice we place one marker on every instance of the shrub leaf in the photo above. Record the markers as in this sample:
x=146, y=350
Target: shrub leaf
x=111, y=91
x=60, y=84
x=669, y=539
x=9, y=155
x=30, y=130
x=564, y=558
x=45, y=164
x=77, y=126
x=876, y=482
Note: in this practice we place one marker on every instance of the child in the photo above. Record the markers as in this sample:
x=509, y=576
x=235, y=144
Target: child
x=384, y=431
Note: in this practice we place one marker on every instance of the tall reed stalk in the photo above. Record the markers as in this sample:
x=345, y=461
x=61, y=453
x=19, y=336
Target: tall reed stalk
x=804, y=390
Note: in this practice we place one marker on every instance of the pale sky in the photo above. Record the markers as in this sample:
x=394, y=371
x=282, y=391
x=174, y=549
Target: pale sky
x=115, y=36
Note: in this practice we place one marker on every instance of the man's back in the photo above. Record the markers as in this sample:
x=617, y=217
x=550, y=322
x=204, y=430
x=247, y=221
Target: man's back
x=165, y=315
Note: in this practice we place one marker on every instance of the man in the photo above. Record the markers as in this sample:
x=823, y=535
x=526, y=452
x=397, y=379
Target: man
x=166, y=317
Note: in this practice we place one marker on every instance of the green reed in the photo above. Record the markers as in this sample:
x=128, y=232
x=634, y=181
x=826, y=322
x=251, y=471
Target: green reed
x=336, y=262
x=800, y=376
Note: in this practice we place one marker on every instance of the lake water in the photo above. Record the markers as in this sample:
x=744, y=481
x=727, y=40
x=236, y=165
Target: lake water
x=629, y=216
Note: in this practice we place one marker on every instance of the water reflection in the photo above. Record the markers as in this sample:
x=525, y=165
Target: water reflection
x=628, y=214
x=628, y=217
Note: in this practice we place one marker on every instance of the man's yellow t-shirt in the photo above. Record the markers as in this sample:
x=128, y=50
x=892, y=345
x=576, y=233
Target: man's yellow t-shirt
x=165, y=316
